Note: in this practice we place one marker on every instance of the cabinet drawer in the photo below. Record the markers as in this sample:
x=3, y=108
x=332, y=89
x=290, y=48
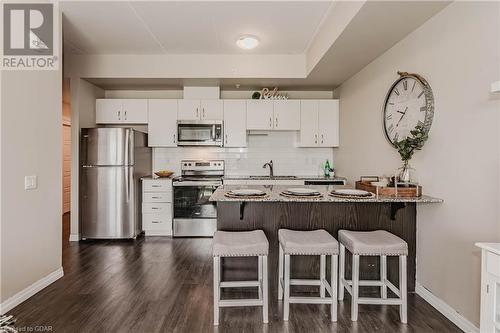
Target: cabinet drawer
x=493, y=264
x=156, y=208
x=155, y=185
x=157, y=221
x=157, y=197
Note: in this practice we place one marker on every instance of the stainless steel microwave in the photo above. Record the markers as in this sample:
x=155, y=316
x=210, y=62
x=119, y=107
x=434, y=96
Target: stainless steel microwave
x=199, y=133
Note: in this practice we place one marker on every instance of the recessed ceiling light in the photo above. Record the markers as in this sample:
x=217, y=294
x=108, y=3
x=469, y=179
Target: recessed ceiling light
x=247, y=42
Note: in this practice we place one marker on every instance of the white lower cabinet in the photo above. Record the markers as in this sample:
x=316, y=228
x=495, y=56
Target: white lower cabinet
x=157, y=208
x=490, y=287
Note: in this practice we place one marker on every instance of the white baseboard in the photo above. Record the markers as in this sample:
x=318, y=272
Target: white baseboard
x=26, y=293
x=455, y=317
x=74, y=237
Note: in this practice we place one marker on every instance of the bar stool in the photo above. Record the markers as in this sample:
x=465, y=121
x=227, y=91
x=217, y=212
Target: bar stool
x=309, y=243
x=241, y=244
x=373, y=243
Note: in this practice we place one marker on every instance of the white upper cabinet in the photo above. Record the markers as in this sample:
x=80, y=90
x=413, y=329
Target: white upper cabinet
x=162, y=123
x=281, y=115
x=260, y=114
x=309, y=123
x=195, y=109
x=135, y=111
x=121, y=111
x=235, y=125
x=189, y=109
x=328, y=123
x=211, y=109
x=287, y=115
x=319, y=123
x=108, y=111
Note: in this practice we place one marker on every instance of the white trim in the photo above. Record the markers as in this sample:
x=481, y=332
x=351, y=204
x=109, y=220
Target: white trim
x=26, y=293
x=454, y=316
x=74, y=237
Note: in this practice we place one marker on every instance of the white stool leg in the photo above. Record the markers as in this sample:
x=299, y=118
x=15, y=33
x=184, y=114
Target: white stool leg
x=355, y=287
x=333, y=281
x=216, y=269
x=322, y=275
x=265, y=296
x=259, y=269
x=341, y=272
x=403, y=309
x=286, y=303
x=383, y=276
x=280, y=273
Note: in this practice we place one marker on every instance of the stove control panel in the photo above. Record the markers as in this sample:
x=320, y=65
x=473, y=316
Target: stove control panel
x=202, y=165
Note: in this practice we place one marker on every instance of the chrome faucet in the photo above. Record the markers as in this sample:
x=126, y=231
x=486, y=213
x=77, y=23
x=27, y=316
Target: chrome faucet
x=270, y=165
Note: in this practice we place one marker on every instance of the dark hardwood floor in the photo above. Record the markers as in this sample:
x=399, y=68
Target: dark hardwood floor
x=158, y=284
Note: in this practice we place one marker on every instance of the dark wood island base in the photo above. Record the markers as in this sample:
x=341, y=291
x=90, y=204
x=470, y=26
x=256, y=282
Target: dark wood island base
x=395, y=217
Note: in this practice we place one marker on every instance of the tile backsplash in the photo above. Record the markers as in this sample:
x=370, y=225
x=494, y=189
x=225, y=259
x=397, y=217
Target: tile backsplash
x=281, y=147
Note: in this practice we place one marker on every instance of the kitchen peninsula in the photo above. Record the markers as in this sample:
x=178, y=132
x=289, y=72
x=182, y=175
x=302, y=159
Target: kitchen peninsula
x=275, y=211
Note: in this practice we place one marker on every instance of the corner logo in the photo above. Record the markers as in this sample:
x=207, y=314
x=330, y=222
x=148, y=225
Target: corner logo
x=30, y=40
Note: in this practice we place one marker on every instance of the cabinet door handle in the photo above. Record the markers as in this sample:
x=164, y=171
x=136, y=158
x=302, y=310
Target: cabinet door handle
x=125, y=115
x=155, y=208
x=226, y=139
x=316, y=138
x=174, y=138
x=155, y=185
x=203, y=112
x=321, y=138
x=270, y=122
x=156, y=197
x=119, y=115
x=276, y=123
x=197, y=112
x=155, y=221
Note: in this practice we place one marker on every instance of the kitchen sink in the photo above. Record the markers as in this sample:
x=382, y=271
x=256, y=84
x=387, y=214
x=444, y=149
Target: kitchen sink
x=273, y=177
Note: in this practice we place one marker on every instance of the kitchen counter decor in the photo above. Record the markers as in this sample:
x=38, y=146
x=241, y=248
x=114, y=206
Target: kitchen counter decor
x=246, y=193
x=304, y=193
x=413, y=191
x=352, y=194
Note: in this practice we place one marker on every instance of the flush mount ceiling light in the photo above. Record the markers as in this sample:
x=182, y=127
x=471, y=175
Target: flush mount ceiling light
x=247, y=42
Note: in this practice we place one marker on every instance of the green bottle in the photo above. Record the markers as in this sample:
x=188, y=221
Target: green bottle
x=327, y=169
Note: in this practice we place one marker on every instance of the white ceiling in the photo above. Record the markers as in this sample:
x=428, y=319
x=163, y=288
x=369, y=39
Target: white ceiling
x=97, y=32
x=190, y=27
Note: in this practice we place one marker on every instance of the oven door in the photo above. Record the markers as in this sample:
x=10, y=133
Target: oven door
x=199, y=133
x=194, y=213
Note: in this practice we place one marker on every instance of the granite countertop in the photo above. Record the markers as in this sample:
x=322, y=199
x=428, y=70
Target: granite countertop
x=274, y=195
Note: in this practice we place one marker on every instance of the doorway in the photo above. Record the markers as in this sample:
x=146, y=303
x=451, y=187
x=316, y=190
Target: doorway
x=66, y=161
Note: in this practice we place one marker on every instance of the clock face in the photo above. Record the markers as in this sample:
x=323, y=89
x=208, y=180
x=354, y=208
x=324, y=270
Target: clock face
x=409, y=103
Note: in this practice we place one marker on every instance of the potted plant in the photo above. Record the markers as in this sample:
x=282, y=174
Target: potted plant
x=407, y=147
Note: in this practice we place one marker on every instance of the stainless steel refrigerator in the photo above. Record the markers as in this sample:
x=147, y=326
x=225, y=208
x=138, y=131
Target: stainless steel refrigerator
x=112, y=162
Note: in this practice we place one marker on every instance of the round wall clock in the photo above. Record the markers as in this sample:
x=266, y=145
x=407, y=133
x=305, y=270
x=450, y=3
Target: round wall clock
x=409, y=102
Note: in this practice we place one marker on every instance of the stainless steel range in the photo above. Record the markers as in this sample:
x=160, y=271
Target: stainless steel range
x=194, y=214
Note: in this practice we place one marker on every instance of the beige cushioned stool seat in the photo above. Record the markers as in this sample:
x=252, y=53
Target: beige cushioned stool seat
x=379, y=242
x=240, y=244
x=316, y=242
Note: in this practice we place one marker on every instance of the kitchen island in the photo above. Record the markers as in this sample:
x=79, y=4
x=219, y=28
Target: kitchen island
x=275, y=211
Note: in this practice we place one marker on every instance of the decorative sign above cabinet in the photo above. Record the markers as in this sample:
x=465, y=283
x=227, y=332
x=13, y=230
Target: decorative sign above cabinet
x=408, y=104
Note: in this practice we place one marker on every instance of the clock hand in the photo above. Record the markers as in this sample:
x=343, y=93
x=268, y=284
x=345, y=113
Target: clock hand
x=403, y=114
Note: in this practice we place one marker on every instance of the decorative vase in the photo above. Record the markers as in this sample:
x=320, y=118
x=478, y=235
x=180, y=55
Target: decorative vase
x=406, y=173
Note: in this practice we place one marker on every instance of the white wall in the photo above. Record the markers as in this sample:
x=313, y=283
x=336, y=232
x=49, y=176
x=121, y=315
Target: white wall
x=83, y=96
x=31, y=138
x=457, y=52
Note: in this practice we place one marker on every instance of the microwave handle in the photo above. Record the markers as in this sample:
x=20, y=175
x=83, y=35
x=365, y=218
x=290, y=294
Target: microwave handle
x=213, y=132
